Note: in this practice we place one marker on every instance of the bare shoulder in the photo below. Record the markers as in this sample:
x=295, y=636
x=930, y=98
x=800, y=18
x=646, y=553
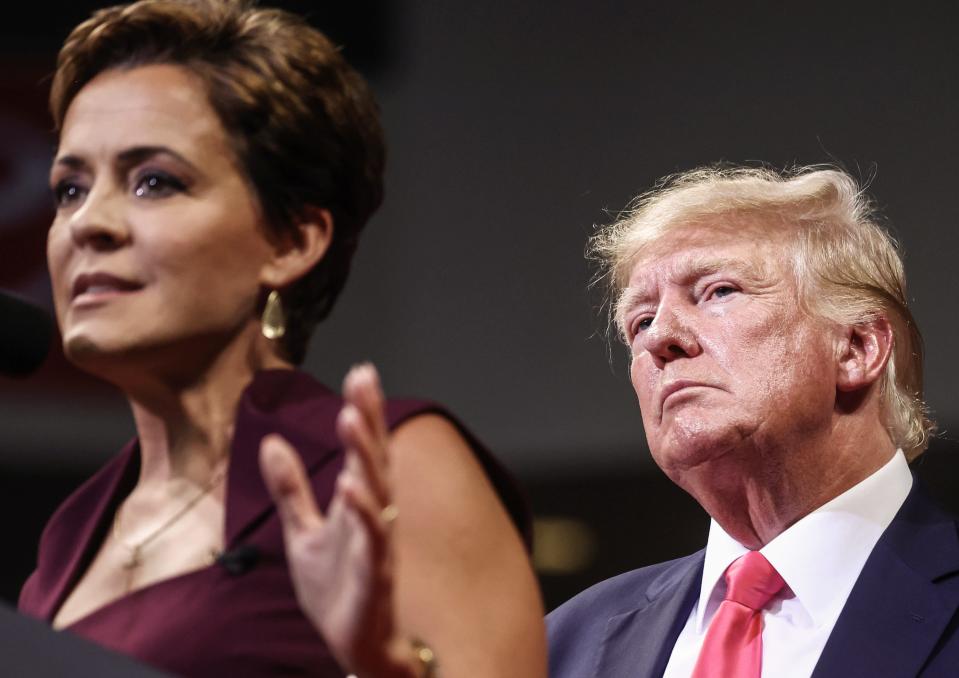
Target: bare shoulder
x=434, y=468
x=427, y=431
x=458, y=550
x=432, y=438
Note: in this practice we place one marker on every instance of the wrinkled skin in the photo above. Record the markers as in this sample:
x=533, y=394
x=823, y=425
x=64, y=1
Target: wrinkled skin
x=738, y=385
x=722, y=325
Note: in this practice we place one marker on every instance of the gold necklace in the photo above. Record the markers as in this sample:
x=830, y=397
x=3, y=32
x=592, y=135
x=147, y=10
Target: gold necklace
x=135, y=558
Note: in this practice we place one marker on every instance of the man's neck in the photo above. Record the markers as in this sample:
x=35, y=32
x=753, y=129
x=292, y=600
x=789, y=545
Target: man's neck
x=755, y=502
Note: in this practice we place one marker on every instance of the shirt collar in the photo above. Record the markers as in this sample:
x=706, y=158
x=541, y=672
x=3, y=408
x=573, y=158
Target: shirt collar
x=821, y=555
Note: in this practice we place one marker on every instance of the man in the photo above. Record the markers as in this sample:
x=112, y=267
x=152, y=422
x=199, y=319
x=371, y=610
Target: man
x=779, y=376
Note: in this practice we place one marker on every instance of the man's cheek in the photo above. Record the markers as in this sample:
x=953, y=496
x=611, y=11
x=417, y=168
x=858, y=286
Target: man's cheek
x=641, y=376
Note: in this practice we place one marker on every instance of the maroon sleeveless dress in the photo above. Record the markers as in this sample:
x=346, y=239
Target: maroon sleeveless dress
x=239, y=616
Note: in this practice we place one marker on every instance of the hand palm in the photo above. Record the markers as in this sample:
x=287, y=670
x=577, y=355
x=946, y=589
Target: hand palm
x=341, y=564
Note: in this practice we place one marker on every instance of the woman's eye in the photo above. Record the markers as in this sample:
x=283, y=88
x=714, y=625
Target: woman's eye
x=67, y=192
x=157, y=185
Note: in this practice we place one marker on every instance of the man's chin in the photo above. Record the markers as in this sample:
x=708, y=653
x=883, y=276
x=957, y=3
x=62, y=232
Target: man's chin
x=687, y=449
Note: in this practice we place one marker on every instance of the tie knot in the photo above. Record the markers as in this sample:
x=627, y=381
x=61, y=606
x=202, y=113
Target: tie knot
x=752, y=581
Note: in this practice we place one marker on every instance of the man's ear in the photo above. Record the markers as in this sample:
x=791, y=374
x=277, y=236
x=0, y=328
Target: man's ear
x=865, y=350
x=294, y=257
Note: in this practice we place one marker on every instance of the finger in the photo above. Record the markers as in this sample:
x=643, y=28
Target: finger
x=362, y=389
x=357, y=497
x=364, y=454
x=286, y=479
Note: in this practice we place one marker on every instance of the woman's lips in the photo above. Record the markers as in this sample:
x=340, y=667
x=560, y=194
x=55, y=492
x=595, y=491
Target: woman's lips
x=98, y=286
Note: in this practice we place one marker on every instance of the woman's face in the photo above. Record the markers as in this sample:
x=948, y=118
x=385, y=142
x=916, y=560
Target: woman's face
x=158, y=247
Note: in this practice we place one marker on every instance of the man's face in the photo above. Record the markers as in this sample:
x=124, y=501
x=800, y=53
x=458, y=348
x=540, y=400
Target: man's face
x=724, y=361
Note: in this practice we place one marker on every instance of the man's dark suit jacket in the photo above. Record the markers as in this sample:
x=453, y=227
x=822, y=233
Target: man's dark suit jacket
x=900, y=620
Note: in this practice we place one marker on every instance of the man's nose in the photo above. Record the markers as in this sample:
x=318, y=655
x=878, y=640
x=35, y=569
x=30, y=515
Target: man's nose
x=100, y=222
x=671, y=335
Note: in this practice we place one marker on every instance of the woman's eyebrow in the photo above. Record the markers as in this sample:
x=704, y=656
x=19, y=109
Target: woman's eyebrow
x=74, y=162
x=133, y=156
x=126, y=158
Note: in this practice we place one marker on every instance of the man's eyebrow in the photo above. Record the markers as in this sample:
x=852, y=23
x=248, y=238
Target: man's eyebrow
x=753, y=270
x=629, y=298
x=688, y=272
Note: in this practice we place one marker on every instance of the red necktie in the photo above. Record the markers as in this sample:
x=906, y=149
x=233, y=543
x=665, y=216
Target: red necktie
x=733, y=647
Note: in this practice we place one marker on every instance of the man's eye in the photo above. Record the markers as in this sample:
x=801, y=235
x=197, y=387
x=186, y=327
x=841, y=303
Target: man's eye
x=642, y=324
x=723, y=291
x=157, y=185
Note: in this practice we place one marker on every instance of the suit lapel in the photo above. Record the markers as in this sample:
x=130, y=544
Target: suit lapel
x=903, y=600
x=638, y=643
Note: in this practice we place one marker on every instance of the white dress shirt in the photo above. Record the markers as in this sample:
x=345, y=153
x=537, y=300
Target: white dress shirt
x=819, y=557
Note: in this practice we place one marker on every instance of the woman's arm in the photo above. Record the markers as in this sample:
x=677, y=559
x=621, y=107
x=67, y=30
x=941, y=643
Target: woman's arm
x=464, y=582
x=449, y=571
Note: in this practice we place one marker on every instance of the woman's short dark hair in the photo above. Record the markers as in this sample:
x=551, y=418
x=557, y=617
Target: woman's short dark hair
x=303, y=124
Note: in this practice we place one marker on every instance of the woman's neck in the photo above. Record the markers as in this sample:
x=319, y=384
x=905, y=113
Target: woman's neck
x=185, y=425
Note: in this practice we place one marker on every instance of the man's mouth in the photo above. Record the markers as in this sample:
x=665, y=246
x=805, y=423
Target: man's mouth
x=671, y=388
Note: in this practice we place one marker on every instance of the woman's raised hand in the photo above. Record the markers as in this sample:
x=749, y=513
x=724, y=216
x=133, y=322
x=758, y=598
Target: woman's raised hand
x=342, y=563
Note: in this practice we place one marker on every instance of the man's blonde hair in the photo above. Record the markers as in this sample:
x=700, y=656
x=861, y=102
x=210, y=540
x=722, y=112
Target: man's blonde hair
x=848, y=268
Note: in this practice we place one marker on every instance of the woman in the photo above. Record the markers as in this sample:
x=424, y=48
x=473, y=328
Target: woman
x=216, y=163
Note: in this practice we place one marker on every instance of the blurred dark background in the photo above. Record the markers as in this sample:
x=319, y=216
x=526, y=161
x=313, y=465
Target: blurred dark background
x=513, y=128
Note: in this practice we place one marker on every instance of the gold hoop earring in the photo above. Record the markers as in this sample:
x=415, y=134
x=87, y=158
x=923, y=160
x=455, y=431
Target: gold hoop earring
x=273, y=320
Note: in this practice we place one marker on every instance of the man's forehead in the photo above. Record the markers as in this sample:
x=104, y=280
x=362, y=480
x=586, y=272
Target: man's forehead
x=688, y=264
x=744, y=246
x=705, y=232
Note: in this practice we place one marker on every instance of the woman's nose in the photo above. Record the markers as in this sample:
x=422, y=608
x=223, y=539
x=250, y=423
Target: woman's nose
x=100, y=222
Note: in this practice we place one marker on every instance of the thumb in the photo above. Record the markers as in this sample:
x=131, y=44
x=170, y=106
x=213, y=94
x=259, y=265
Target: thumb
x=285, y=478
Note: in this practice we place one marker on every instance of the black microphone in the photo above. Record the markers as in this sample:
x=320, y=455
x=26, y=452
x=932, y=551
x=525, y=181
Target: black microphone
x=25, y=333
x=239, y=560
